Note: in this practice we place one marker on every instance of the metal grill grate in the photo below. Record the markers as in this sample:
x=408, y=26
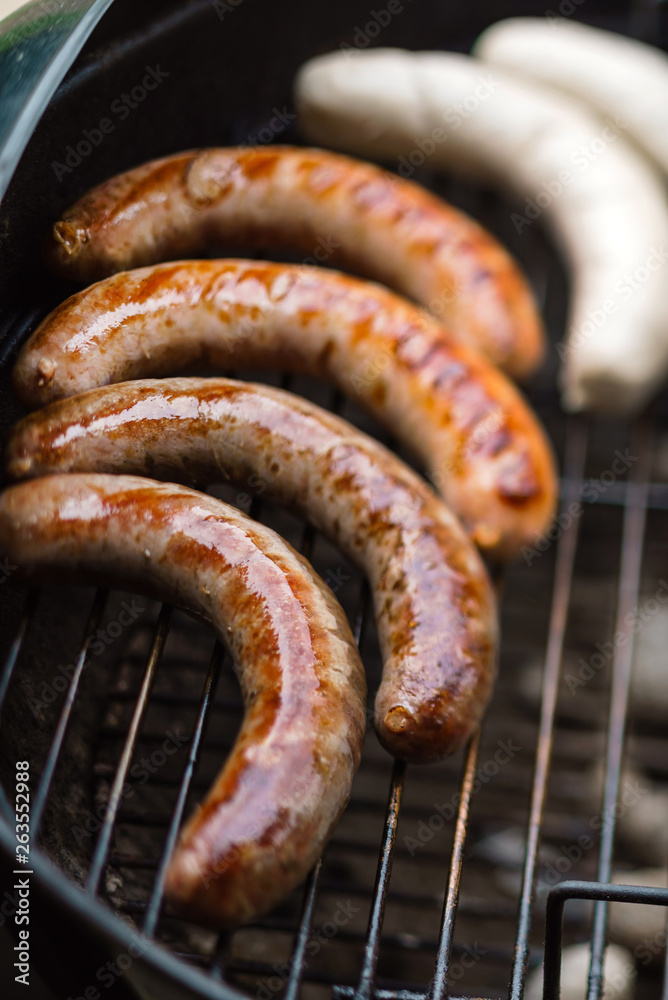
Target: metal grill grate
x=410, y=901
x=134, y=840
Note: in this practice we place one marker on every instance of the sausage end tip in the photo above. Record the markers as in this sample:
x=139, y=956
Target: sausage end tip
x=68, y=238
x=46, y=370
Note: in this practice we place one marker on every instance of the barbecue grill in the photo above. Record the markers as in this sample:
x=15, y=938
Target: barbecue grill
x=449, y=880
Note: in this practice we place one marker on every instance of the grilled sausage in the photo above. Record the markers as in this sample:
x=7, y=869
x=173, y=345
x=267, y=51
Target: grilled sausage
x=324, y=205
x=483, y=446
x=434, y=605
x=288, y=778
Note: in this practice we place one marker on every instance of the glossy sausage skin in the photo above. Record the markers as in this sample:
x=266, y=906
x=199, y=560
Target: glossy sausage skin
x=326, y=206
x=288, y=777
x=434, y=605
x=483, y=447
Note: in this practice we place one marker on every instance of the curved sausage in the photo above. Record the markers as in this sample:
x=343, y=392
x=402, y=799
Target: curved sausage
x=623, y=79
x=484, y=448
x=434, y=605
x=603, y=199
x=288, y=777
x=327, y=206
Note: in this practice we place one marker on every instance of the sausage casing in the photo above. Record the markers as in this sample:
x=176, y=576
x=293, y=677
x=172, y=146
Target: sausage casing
x=434, y=605
x=331, y=208
x=288, y=777
x=483, y=447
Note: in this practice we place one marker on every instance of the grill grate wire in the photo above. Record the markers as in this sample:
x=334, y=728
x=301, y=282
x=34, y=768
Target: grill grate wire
x=629, y=584
x=636, y=497
x=155, y=902
x=105, y=835
x=636, y=502
x=576, y=448
x=439, y=985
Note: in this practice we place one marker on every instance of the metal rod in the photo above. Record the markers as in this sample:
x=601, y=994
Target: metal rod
x=627, y=599
x=439, y=985
x=348, y=992
x=383, y=873
x=115, y=796
x=153, y=910
x=298, y=961
x=94, y=618
x=15, y=648
x=576, y=450
x=217, y=966
x=307, y=541
x=554, y=915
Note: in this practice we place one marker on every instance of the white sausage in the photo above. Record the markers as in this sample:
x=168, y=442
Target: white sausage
x=605, y=203
x=617, y=76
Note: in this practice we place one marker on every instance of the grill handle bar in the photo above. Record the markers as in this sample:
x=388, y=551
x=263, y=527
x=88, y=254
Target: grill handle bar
x=554, y=913
x=635, y=515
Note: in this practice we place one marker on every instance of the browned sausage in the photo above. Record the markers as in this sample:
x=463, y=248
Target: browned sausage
x=288, y=777
x=327, y=206
x=435, y=610
x=484, y=448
